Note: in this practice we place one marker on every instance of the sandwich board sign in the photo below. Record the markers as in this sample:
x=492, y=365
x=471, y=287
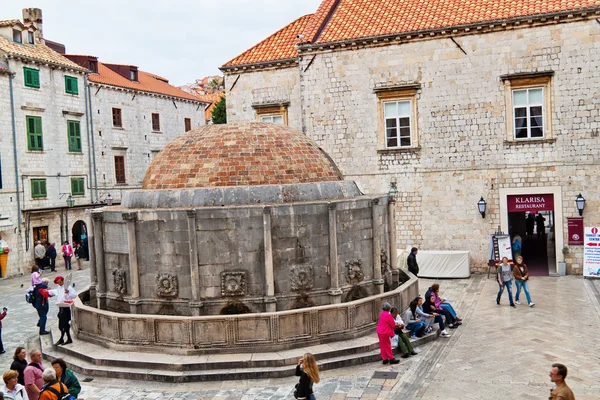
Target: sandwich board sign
x=591, y=251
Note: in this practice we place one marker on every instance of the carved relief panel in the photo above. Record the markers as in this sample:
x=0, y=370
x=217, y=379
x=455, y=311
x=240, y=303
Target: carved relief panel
x=233, y=283
x=354, y=271
x=167, y=285
x=119, y=282
x=301, y=277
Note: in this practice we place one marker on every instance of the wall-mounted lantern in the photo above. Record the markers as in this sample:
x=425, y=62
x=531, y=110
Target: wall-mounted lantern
x=482, y=205
x=580, y=202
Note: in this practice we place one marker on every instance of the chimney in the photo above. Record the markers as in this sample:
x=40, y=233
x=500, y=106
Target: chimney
x=34, y=16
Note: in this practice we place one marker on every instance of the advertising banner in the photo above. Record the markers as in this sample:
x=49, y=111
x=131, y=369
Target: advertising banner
x=531, y=203
x=591, y=252
x=575, y=229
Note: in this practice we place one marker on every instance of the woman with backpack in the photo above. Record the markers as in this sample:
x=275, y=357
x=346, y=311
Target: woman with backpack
x=308, y=371
x=66, y=376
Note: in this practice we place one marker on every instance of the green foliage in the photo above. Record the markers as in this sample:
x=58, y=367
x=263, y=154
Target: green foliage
x=219, y=115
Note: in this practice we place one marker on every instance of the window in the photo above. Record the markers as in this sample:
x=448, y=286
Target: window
x=77, y=186
x=397, y=119
x=94, y=66
x=32, y=77
x=74, y=132
x=133, y=75
x=35, y=140
x=116, y=114
x=71, y=86
x=188, y=124
x=155, y=122
x=17, y=36
x=276, y=119
x=30, y=38
x=38, y=188
x=528, y=112
x=120, y=169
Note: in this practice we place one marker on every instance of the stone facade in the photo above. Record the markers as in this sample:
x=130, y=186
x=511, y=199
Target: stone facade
x=464, y=148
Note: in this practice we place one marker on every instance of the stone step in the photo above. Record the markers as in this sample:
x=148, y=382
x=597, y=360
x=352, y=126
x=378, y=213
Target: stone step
x=98, y=361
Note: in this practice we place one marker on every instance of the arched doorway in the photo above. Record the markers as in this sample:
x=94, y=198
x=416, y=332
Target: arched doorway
x=80, y=235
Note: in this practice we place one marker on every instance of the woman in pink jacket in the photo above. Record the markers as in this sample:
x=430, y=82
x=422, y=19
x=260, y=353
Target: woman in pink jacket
x=385, y=331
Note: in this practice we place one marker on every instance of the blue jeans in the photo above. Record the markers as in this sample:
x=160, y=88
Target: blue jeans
x=448, y=306
x=525, y=286
x=508, y=286
x=42, y=311
x=414, y=327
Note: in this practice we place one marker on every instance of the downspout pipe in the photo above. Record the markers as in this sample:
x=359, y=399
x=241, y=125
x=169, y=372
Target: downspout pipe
x=16, y=159
x=87, y=125
x=93, y=151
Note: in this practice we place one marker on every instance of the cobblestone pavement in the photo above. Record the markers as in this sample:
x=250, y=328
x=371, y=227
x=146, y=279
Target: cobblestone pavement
x=498, y=353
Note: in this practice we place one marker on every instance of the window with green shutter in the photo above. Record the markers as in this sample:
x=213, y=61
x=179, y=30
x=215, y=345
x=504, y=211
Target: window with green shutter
x=71, y=85
x=38, y=188
x=35, y=141
x=74, y=132
x=77, y=186
x=32, y=77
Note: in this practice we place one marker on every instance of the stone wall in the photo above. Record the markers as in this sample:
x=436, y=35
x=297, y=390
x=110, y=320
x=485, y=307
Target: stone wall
x=464, y=147
x=230, y=244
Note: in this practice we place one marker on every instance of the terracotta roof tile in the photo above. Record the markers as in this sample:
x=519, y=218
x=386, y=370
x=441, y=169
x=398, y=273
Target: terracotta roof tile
x=10, y=22
x=39, y=52
x=364, y=18
x=337, y=20
x=213, y=99
x=147, y=82
x=278, y=46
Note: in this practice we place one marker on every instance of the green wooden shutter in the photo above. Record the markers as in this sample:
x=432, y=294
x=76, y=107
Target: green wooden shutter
x=38, y=134
x=28, y=78
x=32, y=77
x=38, y=188
x=74, y=133
x=77, y=186
x=43, y=188
x=34, y=133
x=36, y=78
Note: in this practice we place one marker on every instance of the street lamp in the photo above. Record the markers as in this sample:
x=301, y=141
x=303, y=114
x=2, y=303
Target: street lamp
x=482, y=205
x=70, y=201
x=580, y=202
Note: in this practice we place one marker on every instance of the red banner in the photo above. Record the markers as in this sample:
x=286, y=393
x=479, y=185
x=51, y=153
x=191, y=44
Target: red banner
x=575, y=229
x=531, y=203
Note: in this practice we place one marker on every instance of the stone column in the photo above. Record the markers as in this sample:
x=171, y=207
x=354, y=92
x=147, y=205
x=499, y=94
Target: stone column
x=376, y=226
x=195, y=304
x=91, y=250
x=135, y=305
x=270, y=300
x=100, y=271
x=335, y=293
x=393, y=245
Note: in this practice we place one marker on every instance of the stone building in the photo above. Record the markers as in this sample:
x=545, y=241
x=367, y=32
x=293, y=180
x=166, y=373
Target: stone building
x=455, y=101
x=73, y=128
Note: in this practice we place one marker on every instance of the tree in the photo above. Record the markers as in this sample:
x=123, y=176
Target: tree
x=219, y=115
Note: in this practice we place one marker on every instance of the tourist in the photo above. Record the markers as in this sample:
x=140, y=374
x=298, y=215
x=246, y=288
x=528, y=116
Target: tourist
x=79, y=255
x=40, y=303
x=427, y=313
x=66, y=376
x=33, y=375
x=64, y=298
x=12, y=389
x=430, y=308
x=411, y=261
x=67, y=251
x=385, y=331
x=521, y=274
x=20, y=363
x=560, y=391
x=504, y=276
x=2, y=315
x=308, y=371
x=40, y=254
x=414, y=324
x=442, y=303
x=36, y=275
x=529, y=224
x=540, y=226
x=52, y=389
x=51, y=254
x=401, y=340
x=517, y=245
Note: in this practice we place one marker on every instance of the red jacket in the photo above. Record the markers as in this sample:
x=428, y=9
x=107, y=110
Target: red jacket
x=386, y=324
x=2, y=317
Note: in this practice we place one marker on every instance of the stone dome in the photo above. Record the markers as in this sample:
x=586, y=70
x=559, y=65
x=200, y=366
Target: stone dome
x=240, y=154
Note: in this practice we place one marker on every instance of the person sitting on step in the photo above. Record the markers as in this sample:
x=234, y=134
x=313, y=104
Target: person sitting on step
x=401, y=341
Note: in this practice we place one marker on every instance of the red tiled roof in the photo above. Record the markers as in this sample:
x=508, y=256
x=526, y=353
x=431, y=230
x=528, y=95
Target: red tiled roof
x=364, y=18
x=338, y=20
x=38, y=51
x=213, y=99
x=146, y=82
x=278, y=46
x=10, y=22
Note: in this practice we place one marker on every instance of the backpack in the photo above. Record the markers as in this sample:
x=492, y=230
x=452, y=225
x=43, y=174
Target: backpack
x=517, y=245
x=60, y=396
x=30, y=297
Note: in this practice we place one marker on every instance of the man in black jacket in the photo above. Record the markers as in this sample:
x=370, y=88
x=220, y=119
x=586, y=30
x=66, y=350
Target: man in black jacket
x=413, y=267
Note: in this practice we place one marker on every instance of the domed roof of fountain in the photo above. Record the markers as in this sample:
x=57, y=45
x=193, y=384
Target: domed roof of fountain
x=240, y=154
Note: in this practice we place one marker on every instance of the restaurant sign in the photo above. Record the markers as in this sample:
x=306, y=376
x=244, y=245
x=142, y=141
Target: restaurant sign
x=531, y=203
